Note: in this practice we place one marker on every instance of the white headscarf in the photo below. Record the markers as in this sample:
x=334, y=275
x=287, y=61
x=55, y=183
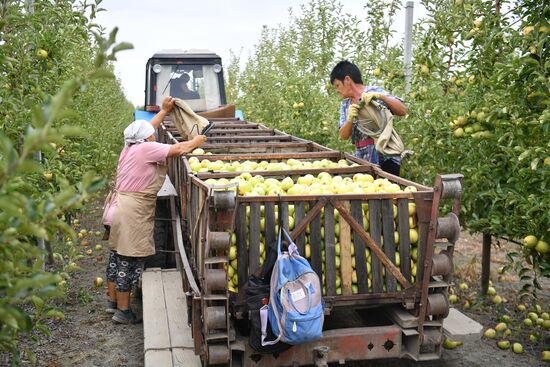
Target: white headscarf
x=137, y=132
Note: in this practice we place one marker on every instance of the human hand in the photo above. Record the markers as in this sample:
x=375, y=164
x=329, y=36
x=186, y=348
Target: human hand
x=367, y=97
x=168, y=103
x=199, y=140
x=353, y=112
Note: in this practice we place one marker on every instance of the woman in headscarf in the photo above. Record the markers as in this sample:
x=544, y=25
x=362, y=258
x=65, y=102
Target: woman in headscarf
x=130, y=211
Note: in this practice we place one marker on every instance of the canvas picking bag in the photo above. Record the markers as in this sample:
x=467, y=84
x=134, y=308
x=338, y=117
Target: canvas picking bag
x=296, y=308
x=376, y=121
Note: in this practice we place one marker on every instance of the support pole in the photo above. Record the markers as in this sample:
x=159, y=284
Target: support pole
x=485, y=263
x=409, y=9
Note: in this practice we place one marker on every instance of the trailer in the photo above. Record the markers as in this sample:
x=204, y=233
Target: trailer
x=385, y=259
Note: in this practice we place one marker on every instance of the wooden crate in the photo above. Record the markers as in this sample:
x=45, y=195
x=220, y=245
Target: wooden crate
x=330, y=224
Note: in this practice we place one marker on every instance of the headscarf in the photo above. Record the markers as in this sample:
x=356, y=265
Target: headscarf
x=137, y=132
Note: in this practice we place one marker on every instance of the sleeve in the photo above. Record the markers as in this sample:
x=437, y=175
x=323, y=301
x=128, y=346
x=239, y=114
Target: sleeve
x=343, y=113
x=153, y=152
x=374, y=88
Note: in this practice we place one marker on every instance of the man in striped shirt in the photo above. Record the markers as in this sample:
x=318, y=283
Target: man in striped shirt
x=347, y=80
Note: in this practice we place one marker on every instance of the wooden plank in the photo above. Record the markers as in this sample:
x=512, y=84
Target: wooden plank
x=180, y=332
x=311, y=213
x=376, y=235
x=389, y=241
x=388, y=265
x=270, y=233
x=254, y=236
x=346, y=269
x=200, y=231
x=184, y=358
x=255, y=138
x=404, y=237
x=242, y=244
x=299, y=215
x=269, y=156
x=359, y=246
x=193, y=212
x=155, y=358
x=423, y=229
x=315, y=245
x=283, y=215
x=330, y=267
x=155, y=321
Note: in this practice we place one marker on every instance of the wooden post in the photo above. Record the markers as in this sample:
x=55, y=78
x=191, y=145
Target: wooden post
x=485, y=263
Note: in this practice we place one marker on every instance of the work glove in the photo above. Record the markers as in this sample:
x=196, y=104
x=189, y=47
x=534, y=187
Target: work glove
x=367, y=97
x=353, y=112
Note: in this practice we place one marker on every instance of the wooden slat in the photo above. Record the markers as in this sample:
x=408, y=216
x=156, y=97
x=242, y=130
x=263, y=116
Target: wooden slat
x=193, y=212
x=346, y=268
x=376, y=235
x=423, y=229
x=330, y=267
x=389, y=241
x=315, y=245
x=242, y=240
x=184, y=358
x=254, y=244
x=388, y=265
x=359, y=246
x=180, y=332
x=404, y=237
x=283, y=214
x=299, y=215
x=155, y=321
x=201, y=228
x=311, y=213
x=240, y=138
x=158, y=358
x=269, y=215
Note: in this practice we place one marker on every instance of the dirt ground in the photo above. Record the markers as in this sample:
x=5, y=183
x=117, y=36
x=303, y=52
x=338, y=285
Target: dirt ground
x=88, y=337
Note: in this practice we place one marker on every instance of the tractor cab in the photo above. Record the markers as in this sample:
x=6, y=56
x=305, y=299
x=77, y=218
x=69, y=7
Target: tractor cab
x=194, y=75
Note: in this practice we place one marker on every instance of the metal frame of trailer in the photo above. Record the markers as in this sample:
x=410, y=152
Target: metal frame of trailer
x=392, y=315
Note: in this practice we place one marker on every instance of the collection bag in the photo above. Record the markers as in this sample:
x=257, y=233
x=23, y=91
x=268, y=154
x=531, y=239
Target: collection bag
x=376, y=121
x=296, y=308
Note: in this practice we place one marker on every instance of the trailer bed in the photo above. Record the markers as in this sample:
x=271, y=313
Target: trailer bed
x=167, y=337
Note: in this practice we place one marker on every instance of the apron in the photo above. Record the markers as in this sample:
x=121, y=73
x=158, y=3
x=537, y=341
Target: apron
x=134, y=219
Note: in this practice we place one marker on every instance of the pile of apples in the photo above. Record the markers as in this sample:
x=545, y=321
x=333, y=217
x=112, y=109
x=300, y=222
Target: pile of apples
x=206, y=165
x=323, y=183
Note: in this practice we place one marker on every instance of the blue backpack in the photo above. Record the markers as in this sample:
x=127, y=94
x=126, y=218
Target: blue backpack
x=296, y=307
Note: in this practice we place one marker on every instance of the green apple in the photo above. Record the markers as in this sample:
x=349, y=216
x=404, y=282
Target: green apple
x=501, y=326
x=530, y=241
x=490, y=333
x=517, y=348
x=42, y=54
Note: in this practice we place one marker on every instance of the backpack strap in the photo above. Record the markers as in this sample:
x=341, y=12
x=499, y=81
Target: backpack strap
x=263, y=320
x=292, y=248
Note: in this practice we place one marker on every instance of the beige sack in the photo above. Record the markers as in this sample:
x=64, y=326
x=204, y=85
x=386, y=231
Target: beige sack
x=188, y=123
x=376, y=121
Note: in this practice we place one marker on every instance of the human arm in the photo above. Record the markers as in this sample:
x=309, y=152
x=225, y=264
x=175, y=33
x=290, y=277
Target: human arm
x=394, y=104
x=396, y=107
x=345, y=126
x=186, y=146
x=167, y=106
x=345, y=130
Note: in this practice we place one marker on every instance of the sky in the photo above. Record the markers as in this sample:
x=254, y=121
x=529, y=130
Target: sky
x=220, y=26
